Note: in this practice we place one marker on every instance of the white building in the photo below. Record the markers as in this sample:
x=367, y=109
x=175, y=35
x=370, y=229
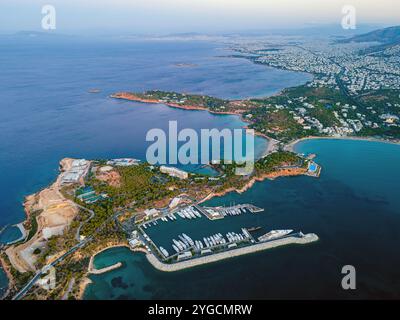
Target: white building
x=79, y=169
x=174, y=172
x=151, y=212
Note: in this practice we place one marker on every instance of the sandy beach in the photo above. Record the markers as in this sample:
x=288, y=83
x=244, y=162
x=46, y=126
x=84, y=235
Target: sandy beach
x=291, y=145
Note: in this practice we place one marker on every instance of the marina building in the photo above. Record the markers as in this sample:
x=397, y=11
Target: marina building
x=124, y=162
x=184, y=255
x=79, y=169
x=174, y=172
x=150, y=213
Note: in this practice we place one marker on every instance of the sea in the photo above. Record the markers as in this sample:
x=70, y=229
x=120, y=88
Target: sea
x=48, y=114
x=353, y=208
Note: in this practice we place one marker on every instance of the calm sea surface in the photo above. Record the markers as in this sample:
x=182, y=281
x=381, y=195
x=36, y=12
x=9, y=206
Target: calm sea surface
x=47, y=113
x=354, y=207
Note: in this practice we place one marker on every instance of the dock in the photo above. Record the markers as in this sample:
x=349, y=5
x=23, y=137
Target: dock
x=306, y=239
x=93, y=270
x=24, y=233
x=220, y=212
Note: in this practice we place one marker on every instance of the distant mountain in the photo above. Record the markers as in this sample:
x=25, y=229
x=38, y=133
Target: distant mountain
x=387, y=36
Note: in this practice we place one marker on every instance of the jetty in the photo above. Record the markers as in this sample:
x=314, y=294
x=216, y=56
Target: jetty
x=93, y=270
x=305, y=239
x=24, y=233
x=221, y=212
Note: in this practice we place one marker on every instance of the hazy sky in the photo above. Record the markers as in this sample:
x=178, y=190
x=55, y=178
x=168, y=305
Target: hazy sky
x=165, y=16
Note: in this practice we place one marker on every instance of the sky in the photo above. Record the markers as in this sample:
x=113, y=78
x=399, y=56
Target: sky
x=179, y=16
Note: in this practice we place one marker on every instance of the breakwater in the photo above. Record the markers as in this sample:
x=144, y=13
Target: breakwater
x=308, y=238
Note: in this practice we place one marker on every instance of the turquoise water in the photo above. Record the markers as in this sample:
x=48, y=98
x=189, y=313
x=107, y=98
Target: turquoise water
x=354, y=208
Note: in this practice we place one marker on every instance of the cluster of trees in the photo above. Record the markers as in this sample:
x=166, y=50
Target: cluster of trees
x=277, y=159
x=192, y=99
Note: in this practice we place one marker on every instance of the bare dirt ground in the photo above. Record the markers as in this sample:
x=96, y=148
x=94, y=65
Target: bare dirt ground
x=57, y=213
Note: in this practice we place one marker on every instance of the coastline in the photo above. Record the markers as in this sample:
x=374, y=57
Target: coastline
x=308, y=238
x=270, y=148
x=91, y=267
x=24, y=233
x=11, y=281
x=86, y=280
x=55, y=211
x=253, y=180
x=132, y=97
x=291, y=145
x=272, y=143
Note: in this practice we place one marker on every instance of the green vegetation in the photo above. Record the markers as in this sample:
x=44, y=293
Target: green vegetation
x=277, y=160
x=187, y=99
x=305, y=111
x=33, y=224
x=136, y=185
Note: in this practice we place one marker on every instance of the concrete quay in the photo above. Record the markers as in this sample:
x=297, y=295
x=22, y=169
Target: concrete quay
x=308, y=238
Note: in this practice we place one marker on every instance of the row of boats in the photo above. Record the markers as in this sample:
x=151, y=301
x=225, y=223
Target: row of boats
x=185, y=242
x=189, y=213
x=231, y=239
x=275, y=234
x=170, y=217
x=233, y=211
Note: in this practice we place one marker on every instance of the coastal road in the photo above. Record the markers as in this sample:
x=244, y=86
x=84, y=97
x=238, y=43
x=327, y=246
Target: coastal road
x=44, y=270
x=78, y=231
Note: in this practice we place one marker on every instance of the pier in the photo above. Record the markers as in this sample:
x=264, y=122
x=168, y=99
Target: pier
x=93, y=270
x=221, y=212
x=306, y=239
x=24, y=233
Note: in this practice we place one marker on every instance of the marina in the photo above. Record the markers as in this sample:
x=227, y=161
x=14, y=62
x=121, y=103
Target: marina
x=195, y=212
x=189, y=263
x=182, y=241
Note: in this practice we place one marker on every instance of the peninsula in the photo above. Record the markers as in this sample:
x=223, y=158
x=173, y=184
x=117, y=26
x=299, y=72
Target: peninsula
x=96, y=204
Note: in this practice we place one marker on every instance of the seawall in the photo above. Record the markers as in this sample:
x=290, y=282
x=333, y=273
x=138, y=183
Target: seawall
x=308, y=238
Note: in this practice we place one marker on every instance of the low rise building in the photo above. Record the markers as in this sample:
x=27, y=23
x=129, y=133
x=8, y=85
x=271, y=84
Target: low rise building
x=174, y=172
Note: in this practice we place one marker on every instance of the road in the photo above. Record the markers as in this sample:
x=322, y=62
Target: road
x=44, y=270
x=78, y=231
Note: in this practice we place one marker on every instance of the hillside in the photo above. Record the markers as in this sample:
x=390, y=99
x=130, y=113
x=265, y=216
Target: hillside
x=387, y=36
